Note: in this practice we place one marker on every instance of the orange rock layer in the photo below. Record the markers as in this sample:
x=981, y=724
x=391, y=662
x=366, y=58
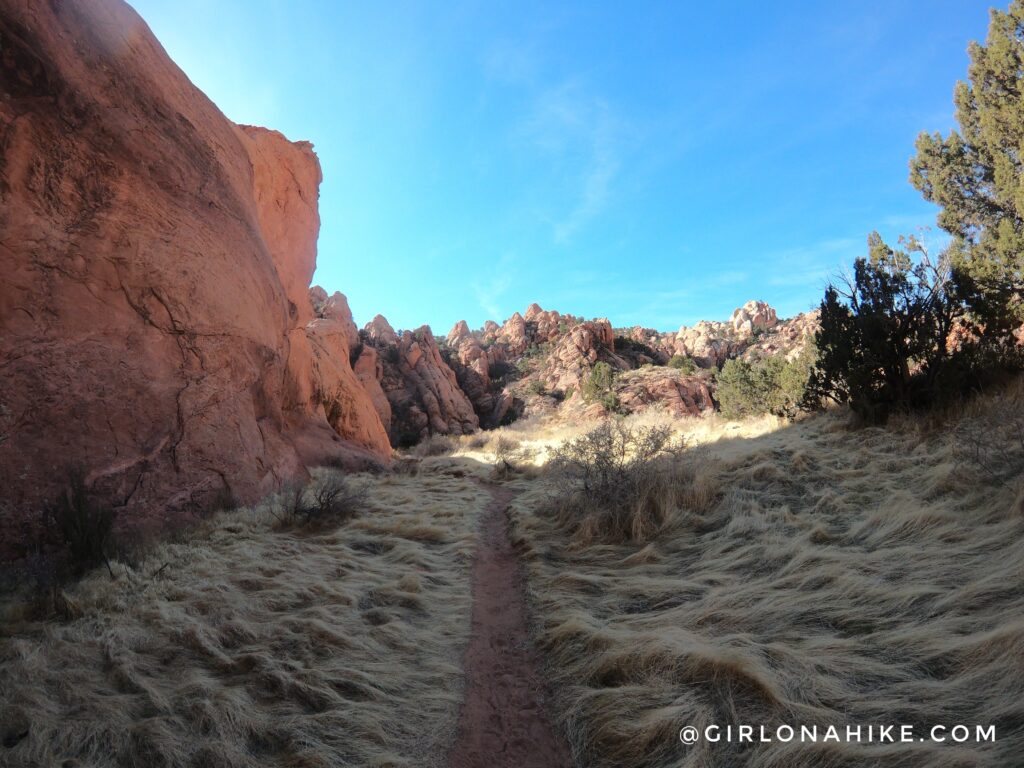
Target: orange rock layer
x=155, y=322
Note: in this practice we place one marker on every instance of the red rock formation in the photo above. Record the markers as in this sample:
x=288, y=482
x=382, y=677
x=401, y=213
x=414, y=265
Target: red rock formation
x=471, y=364
x=576, y=352
x=753, y=316
x=342, y=396
x=680, y=394
x=156, y=259
x=512, y=335
x=422, y=389
x=709, y=343
x=369, y=370
x=379, y=331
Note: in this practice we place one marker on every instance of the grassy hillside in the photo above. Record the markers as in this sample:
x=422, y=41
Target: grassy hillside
x=815, y=575
x=839, y=576
x=257, y=646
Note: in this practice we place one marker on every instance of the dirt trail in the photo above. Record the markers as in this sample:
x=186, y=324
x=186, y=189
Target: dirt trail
x=503, y=721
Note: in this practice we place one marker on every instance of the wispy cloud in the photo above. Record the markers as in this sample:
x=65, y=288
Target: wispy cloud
x=580, y=135
x=597, y=179
x=488, y=293
x=513, y=62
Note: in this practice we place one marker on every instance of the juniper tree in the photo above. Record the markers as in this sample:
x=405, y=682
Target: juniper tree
x=976, y=174
x=884, y=341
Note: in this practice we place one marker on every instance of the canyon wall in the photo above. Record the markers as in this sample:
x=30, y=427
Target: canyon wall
x=155, y=319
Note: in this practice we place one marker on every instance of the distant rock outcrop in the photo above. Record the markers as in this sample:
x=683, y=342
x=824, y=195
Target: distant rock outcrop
x=752, y=317
x=345, y=398
x=787, y=337
x=421, y=388
x=710, y=343
x=543, y=356
x=678, y=393
x=156, y=261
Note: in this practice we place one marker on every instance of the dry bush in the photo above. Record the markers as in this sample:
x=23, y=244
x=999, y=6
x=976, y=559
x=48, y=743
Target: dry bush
x=511, y=457
x=83, y=526
x=476, y=441
x=435, y=445
x=622, y=483
x=993, y=440
x=328, y=501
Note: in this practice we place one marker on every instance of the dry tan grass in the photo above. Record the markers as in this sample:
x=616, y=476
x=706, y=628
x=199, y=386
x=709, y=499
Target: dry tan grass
x=539, y=436
x=844, y=577
x=256, y=647
x=811, y=575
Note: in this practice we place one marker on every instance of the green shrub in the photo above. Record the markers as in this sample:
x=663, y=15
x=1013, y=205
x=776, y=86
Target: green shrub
x=683, y=363
x=536, y=387
x=886, y=341
x=599, y=386
x=354, y=353
x=770, y=385
x=499, y=369
x=626, y=345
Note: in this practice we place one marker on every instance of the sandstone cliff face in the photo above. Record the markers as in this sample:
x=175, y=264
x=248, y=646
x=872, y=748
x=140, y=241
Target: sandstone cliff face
x=343, y=397
x=156, y=259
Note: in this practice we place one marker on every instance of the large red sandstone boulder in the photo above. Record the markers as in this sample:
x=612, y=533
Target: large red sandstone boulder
x=156, y=259
x=678, y=393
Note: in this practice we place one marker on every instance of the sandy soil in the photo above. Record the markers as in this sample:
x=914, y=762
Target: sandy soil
x=504, y=721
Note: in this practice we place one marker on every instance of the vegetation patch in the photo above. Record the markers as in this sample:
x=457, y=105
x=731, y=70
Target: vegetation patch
x=767, y=385
x=619, y=483
x=599, y=386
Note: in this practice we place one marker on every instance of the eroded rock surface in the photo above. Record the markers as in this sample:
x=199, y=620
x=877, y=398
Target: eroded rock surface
x=156, y=261
x=421, y=388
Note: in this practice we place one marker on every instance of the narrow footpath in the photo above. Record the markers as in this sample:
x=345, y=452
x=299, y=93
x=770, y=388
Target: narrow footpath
x=503, y=723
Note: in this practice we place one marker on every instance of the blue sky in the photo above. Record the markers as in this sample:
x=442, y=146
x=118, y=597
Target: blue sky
x=655, y=163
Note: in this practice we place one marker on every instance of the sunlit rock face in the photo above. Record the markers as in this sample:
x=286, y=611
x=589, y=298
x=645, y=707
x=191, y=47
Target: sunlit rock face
x=422, y=389
x=156, y=261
